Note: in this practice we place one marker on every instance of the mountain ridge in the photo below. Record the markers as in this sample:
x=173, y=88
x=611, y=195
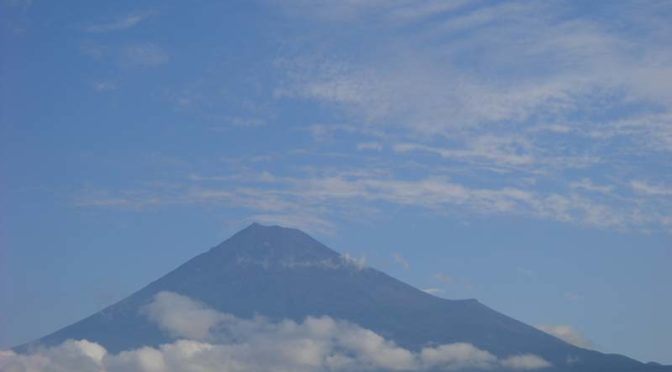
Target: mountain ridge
x=284, y=273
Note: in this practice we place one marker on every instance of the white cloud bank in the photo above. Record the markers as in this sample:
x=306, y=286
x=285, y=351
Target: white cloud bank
x=216, y=341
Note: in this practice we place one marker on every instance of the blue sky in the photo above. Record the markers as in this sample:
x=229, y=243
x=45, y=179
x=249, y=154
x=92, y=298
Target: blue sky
x=518, y=152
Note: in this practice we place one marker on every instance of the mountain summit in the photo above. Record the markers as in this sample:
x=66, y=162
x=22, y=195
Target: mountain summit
x=283, y=273
x=272, y=245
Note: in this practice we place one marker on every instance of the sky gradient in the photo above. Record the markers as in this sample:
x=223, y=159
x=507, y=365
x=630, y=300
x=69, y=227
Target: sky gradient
x=516, y=152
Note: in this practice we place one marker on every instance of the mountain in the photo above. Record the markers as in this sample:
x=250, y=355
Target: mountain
x=283, y=273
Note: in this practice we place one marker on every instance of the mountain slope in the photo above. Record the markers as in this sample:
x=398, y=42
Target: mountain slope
x=283, y=273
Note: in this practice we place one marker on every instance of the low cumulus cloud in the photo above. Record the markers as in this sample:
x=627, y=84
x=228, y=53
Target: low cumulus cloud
x=183, y=317
x=209, y=340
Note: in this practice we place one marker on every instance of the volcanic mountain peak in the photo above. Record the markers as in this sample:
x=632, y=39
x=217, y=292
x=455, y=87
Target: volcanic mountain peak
x=276, y=246
x=284, y=274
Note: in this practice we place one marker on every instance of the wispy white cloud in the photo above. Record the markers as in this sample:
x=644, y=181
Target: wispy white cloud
x=538, y=91
x=434, y=291
x=588, y=185
x=508, y=109
x=505, y=151
x=568, y=334
x=400, y=260
x=313, y=201
x=120, y=24
x=643, y=187
x=358, y=262
x=104, y=86
x=397, y=11
x=144, y=54
x=375, y=146
x=444, y=278
x=565, y=65
x=136, y=54
x=226, y=343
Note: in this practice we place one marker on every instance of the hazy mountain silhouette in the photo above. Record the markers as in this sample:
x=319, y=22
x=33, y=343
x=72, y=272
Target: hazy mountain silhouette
x=284, y=273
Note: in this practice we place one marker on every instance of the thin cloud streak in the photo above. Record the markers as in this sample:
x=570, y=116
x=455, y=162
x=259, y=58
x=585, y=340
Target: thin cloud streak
x=120, y=24
x=311, y=197
x=568, y=334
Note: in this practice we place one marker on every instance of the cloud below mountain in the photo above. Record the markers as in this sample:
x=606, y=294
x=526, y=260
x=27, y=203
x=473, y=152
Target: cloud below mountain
x=215, y=341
